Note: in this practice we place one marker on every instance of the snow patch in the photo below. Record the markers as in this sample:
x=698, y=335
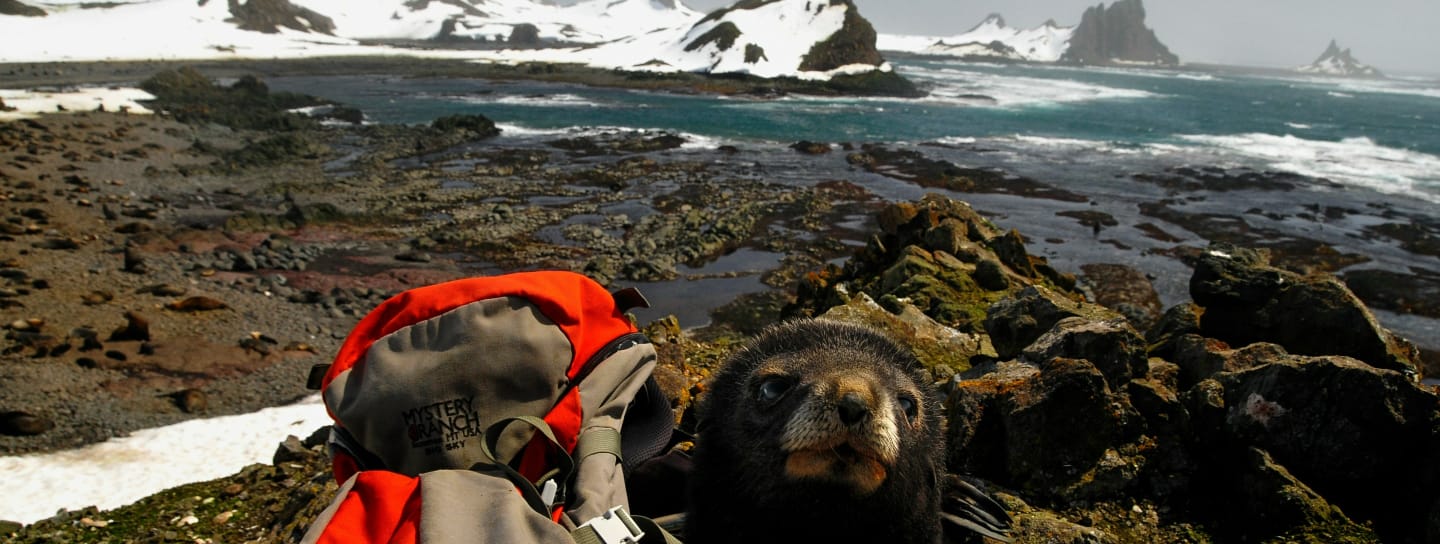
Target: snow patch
x=122, y=470
x=28, y=103
x=1044, y=43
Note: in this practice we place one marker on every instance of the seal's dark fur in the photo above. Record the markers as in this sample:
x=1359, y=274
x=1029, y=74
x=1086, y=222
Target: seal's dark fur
x=740, y=491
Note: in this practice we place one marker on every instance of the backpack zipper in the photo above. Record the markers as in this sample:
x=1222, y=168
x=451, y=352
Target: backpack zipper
x=617, y=345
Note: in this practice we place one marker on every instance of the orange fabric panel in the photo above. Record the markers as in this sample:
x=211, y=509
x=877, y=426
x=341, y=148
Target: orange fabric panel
x=581, y=307
x=381, y=507
x=343, y=466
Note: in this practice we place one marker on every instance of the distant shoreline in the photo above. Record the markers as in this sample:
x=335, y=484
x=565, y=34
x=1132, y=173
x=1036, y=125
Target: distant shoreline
x=59, y=74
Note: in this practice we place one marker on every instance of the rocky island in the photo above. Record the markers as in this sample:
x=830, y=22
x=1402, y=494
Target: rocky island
x=1117, y=35
x=1339, y=62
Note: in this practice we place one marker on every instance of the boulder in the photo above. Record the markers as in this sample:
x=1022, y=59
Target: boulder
x=1126, y=290
x=1363, y=438
x=1111, y=345
x=1199, y=358
x=1017, y=321
x=1268, y=501
x=1178, y=321
x=1052, y=431
x=1246, y=300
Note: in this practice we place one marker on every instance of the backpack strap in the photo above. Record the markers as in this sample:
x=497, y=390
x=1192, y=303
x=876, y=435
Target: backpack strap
x=619, y=527
x=565, y=465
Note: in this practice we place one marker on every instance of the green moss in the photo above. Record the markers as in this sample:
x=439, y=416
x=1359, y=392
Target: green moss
x=723, y=36
x=272, y=504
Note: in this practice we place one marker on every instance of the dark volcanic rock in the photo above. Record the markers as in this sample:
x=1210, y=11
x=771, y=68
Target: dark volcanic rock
x=811, y=148
x=1246, y=300
x=1373, y=458
x=854, y=43
x=1124, y=289
x=1270, y=500
x=524, y=35
x=1117, y=34
x=1015, y=322
x=269, y=16
x=1007, y=425
x=15, y=7
x=1111, y=345
x=474, y=125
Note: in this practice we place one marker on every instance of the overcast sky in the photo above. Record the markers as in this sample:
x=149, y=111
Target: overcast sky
x=1392, y=35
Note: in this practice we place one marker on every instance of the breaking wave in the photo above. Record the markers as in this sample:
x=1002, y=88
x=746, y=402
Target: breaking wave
x=1352, y=161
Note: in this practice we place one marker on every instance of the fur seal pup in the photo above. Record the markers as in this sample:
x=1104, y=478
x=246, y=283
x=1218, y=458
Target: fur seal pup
x=818, y=431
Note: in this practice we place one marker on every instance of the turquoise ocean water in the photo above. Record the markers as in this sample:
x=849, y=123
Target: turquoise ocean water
x=1384, y=135
x=1375, y=143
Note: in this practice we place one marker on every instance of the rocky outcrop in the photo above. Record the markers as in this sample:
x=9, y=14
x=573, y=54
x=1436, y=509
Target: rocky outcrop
x=15, y=7
x=524, y=35
x=1117, y=35
x=853, y=43
x=1246, y=301
x=269, y=16
x=1270, y=408
x=1339, y=62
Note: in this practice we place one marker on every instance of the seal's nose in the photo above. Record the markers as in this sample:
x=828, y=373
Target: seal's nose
x=852, y=408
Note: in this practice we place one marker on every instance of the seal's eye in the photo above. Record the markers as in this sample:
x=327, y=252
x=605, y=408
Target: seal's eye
x=772, y=389
x=907, y=403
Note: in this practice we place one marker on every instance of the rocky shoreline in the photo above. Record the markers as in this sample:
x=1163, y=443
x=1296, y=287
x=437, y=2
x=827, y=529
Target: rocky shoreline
x=159, y=270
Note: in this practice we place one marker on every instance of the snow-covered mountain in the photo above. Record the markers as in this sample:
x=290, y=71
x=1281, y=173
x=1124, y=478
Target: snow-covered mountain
x=1338, y=62
x=1113, y=35
x=811, y=39
x=991, y=38
x=178, y=29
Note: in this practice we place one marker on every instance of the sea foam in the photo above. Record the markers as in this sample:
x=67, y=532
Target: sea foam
x=1352, y=161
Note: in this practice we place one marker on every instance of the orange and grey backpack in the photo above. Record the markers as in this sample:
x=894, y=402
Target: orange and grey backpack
x=494, y=409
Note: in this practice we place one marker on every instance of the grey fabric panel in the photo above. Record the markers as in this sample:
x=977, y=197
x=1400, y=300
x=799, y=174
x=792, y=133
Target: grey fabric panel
x=465, y=506
x=604, y=395
x=414, y=400
x=317, y=527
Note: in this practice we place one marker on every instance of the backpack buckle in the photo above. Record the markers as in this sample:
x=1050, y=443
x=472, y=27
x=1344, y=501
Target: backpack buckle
x=612, y=527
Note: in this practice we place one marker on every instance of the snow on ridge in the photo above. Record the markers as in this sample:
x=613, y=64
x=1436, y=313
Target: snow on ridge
x=766, y=40
x=1044, y=43
x=590, y=21
x=769, y=40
